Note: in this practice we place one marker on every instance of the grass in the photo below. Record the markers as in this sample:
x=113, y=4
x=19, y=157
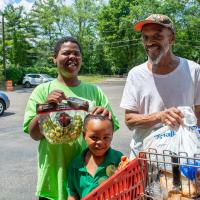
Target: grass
x=92, y=78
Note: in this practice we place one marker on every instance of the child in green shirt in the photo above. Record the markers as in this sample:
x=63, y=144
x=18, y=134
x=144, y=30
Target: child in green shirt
x=94, y=164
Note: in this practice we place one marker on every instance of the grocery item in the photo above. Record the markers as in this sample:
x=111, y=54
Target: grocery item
x=63, y=122
x=188, y=188
x=177, y=197
x=177, y=185
x=110, y=170
x=124, y=161
x=171, y=176
x=183, y=139
x=191, y=169
x=176, y=174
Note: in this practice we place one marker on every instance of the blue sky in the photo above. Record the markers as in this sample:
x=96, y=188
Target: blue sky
x=26, y=3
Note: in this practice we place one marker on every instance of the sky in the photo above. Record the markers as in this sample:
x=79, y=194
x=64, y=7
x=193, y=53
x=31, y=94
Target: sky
x=26, y=3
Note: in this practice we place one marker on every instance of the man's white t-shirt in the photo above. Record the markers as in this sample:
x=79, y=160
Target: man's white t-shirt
x=148, y=93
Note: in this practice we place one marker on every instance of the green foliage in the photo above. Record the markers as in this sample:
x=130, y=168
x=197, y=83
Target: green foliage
x=17, y=74
x=121, y=42
x=14, y=74
x=105, y=32
x=122, y=45
x=17, y=45
x=1, y=75
x=41, y=70
x=81, y=23
x=186, y=15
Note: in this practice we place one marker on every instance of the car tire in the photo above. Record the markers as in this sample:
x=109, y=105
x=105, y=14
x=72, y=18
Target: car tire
x=2, y=107
x=27, y=84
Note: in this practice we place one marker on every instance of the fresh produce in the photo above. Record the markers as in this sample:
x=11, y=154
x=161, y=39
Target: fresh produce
x=57, y=134
x=62, y=123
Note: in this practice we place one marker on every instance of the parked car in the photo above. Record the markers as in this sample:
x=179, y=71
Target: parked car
x=4, y=102
x=35, y=79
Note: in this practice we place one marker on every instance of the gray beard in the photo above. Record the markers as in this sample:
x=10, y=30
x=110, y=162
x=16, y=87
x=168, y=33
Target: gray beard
x=156, y=60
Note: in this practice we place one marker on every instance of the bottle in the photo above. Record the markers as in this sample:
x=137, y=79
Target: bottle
x=156, y=190
x=176, y=174
x=158, y=193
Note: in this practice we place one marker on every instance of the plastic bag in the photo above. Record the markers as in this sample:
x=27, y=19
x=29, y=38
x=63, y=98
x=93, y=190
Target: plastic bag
x=189, y=171
x=185, y=139
x=63, y=122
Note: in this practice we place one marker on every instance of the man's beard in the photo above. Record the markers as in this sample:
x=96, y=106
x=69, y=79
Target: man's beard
x=156, y=59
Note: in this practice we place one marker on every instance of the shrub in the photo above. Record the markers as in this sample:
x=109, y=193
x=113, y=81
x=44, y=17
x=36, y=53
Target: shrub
x=15, y=74
x=1, y=75
x=41, y=70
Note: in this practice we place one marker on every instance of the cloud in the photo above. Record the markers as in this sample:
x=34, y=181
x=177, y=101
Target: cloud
x=27, y=4
x=3, y=4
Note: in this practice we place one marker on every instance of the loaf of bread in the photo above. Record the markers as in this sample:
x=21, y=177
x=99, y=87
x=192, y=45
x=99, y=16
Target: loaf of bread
x=178, y=197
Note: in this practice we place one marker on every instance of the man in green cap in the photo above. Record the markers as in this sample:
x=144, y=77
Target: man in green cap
x=155, y=89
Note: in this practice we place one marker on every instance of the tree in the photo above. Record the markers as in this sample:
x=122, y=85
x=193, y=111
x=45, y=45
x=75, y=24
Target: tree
x=119, y=39
x=122, y=45
x=81, y=24
x=105, y=31
x=16, y=36
x=44, y=16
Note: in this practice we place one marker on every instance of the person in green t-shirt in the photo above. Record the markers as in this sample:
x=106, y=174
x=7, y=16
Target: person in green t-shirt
x=96, y=163
x=54, y=159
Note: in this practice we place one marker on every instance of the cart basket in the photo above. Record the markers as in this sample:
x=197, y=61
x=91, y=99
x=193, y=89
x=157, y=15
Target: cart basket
x=126, y=184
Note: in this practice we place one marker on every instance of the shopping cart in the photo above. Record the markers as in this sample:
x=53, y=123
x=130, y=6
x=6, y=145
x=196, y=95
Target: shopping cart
x=127, y=184
x=171, y=176
x=153, y=176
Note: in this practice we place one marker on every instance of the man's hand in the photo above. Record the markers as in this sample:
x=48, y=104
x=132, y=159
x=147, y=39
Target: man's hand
x=56, y=96
x=102, y=111
x=172, y=117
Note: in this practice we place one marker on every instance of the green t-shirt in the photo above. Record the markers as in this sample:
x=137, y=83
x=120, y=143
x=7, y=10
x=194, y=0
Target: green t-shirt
x=80, y=182
x=54, y=160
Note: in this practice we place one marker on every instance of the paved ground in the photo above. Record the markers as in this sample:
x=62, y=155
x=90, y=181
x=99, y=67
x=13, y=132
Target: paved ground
x=18, y=152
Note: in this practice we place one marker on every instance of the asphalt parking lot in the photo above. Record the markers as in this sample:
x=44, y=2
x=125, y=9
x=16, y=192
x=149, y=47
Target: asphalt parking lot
x=18, y=160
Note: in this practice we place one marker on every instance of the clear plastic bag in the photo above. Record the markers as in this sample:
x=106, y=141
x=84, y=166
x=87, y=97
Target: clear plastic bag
x=62, y=123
